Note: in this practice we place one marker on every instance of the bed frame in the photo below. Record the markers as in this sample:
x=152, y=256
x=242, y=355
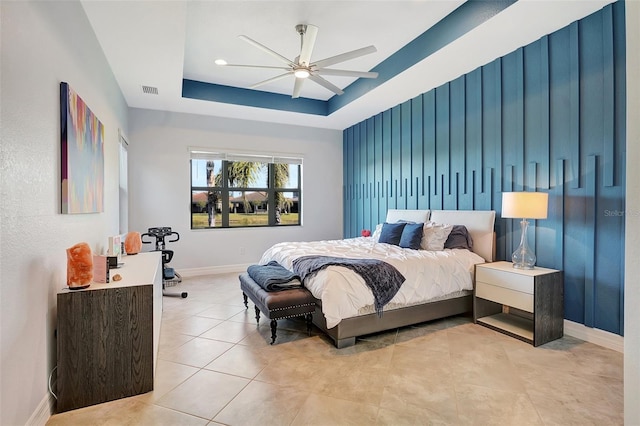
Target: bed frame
x=480, y=225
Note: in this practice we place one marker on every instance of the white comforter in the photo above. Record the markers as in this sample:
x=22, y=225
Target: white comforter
x=429, y=274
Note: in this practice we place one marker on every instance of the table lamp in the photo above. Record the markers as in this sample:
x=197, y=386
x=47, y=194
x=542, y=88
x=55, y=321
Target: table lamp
x=524, y=205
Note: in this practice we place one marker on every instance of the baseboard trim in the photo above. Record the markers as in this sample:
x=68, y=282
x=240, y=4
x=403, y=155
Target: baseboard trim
x=42, y=413
x=211, y=270
x=594, y=335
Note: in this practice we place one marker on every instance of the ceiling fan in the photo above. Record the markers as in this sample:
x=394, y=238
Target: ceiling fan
x=302, y=67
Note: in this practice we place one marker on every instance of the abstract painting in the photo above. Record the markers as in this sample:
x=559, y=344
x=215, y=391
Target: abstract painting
x=82, y=150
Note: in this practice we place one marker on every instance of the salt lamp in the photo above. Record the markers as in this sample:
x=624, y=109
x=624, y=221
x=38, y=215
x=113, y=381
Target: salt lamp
x=79, y=266
x=132, y=243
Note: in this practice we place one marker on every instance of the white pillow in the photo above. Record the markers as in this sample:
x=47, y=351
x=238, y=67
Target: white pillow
x=376, y=233
x=434, y=235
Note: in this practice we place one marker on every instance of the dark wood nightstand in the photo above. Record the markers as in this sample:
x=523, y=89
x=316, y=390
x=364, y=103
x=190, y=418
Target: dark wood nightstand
x=525, y=304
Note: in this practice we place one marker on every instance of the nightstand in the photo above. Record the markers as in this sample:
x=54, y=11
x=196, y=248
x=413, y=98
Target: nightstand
x=525, y=304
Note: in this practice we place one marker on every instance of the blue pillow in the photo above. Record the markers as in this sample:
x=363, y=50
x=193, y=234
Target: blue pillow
x=391, y=233
x=412, y=236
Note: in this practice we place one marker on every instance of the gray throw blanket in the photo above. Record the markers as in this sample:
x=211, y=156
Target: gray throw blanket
x=383, y=279
x=273, y=276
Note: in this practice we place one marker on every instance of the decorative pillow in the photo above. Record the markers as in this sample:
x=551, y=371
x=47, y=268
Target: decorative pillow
x=376, y=233
x=391, y=233
x=412, y=236
x=434, y=236
x=459, y=238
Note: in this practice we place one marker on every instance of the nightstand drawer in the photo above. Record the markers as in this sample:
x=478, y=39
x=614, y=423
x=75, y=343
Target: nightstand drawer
x=506, y=279
x=516, y=299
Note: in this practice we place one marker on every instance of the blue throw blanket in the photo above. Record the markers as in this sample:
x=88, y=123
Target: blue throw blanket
x=382, y=278
x=273, y=276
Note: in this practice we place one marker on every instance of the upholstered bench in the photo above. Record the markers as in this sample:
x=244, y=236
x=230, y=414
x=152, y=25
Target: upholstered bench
x=277, y=305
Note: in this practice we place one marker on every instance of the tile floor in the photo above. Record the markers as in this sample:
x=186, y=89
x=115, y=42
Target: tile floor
x=216, y=367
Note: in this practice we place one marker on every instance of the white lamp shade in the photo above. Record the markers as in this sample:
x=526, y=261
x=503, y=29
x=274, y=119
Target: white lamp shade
x=525, y=205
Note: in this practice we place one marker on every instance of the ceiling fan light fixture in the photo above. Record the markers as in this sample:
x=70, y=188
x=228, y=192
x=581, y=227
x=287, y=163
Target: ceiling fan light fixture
x=301, y=73
x=302, y=67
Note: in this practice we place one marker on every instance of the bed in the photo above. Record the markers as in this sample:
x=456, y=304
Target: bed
x=438, y=283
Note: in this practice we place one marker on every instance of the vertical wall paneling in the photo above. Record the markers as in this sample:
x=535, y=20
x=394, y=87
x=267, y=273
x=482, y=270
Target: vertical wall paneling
x=511, y=226
x=363, y=186
x=396, y=159
x=386, y=160
x=348, y=180
x=379, y=178
x=619, y=57
x=429, y=144
x=556, y=210
x=410, y=199
x=608, y=106
x=543, y=180
x=457, y=144
x=417, y=178
x=473, y=135
x=532, y=178
x=513, y=113
x=357, y=179
x=536, y=111
x=590, y=239
x=574, y=104
x=443, y=164
x=549, y=117
x=371, y=176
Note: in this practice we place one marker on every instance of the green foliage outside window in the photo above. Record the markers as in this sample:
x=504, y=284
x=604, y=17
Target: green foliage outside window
x=228, y=194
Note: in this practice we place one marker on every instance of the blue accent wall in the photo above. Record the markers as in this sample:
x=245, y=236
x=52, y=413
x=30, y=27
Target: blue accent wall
x=548, y=117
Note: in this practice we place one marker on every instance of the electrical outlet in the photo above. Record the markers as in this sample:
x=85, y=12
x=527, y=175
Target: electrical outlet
x=242, y=250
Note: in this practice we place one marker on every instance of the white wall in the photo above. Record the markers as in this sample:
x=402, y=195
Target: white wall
x=632, y=222
x=159, y=182
x=44, y=43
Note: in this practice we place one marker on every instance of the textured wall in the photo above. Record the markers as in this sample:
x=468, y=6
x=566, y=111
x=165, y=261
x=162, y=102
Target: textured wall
x=549, y=117
x=159, y=182
x=44, y=43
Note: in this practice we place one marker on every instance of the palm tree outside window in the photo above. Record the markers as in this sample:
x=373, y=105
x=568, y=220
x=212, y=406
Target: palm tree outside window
x=230, y=191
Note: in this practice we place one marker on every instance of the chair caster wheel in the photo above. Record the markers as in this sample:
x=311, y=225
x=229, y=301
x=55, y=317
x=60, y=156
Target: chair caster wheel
x=184, y=295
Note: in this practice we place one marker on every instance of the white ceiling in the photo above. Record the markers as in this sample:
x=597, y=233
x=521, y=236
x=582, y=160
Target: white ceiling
x=158, y=43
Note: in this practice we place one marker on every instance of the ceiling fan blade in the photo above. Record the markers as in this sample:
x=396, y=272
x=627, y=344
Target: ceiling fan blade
x=308, y=41
x=324, y=83
x=346, y=73
x=271, y=80
x=297, y=87
x=345, y=56
x=267, y=50
x=257, y=66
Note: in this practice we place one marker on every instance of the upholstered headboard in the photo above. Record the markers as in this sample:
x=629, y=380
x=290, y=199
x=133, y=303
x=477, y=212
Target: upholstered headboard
x=417, y=216
x=479, y=223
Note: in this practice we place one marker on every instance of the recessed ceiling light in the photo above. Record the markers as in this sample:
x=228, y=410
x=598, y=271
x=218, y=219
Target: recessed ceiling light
x=221, y=62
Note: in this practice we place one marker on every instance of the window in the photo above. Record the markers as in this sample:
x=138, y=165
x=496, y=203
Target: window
x=231, y=191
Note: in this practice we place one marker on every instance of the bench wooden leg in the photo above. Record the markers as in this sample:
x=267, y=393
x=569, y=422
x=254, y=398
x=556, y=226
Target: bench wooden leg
x=309, y=317
x=246, y=300
x=274, y=324
x=257, y=314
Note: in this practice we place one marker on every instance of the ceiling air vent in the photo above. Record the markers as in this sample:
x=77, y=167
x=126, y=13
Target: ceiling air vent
x=150, y=90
